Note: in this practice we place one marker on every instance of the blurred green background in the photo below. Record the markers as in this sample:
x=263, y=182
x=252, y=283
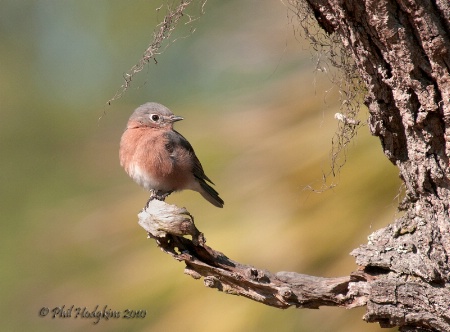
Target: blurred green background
x=261, y=121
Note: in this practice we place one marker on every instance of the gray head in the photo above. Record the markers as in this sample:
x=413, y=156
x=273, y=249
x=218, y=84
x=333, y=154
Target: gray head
x=153, y=115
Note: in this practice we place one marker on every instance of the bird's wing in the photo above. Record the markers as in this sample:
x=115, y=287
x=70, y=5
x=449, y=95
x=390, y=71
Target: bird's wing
x=209, y=193
x=198, y=168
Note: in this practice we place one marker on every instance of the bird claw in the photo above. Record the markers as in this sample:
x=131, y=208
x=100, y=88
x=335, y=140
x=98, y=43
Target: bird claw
x=157, y=194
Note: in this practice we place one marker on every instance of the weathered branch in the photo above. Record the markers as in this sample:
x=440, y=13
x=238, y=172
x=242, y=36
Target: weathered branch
x=390, y=300
x=169, y=225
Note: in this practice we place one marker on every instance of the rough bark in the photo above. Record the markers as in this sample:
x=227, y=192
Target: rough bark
x=402, y=52
x=401, y=49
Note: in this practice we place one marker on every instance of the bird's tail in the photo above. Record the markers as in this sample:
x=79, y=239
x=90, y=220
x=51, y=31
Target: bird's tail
x=210, y=194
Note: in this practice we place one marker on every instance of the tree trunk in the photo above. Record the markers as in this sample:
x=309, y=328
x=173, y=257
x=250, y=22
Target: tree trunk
x=402, y=52
x=401, y=49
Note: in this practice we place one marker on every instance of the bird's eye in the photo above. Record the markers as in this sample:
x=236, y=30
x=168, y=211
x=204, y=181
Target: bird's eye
x=154, y=117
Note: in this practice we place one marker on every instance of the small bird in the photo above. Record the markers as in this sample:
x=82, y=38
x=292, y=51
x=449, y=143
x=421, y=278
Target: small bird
x=159, y=158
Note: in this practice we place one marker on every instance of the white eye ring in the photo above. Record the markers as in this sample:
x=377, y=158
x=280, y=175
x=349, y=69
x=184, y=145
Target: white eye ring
x=154, y=117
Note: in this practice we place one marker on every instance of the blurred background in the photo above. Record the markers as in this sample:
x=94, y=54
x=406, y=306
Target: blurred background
x=261, y=120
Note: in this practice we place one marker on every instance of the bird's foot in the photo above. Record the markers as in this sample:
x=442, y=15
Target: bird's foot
x=157, y=194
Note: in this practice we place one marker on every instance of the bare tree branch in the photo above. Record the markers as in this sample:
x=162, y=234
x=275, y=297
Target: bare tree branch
x=169, y=225
x=390, y=301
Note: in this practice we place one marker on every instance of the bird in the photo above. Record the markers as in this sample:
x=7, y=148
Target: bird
x=159, y=158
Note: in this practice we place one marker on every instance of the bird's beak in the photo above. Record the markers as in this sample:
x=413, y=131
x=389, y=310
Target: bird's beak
x=175, y=118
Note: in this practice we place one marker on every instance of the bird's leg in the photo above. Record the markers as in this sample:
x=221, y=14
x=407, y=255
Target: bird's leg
x=153, y=195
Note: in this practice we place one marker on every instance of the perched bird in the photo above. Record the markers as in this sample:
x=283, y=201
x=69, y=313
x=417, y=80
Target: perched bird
x=159, y=158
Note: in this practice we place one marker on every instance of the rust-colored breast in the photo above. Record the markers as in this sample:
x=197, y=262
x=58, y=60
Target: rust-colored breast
x=154, y=160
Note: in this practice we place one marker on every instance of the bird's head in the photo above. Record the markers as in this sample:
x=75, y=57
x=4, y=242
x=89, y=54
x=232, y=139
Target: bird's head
x=153, y=115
